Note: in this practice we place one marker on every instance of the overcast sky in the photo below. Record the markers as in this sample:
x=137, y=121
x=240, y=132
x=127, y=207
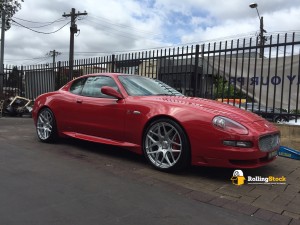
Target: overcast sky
x=125, y=25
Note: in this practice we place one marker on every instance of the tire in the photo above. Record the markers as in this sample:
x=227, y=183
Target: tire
x=166, y=146
x=46, y=126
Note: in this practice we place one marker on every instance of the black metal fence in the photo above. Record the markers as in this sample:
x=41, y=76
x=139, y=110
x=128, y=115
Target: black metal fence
x=262, y=77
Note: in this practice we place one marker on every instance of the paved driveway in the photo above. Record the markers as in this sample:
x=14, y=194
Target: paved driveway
x=73, y=178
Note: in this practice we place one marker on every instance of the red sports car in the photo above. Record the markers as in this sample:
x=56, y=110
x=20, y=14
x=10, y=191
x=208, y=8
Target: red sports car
x=149, y=117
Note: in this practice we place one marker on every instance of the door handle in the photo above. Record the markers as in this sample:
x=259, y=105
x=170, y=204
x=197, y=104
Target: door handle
x=78, y=100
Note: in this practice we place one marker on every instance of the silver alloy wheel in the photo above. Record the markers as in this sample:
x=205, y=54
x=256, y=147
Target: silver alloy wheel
x=163, y=145
x=45, y=125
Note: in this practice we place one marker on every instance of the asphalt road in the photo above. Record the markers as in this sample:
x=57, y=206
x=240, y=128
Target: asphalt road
x=74, y=182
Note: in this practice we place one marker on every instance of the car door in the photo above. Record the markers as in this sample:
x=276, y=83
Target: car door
x=98, y=114
x=67, y=112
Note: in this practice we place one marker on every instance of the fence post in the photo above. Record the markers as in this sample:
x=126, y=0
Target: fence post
x=203, y=75
x=1, y=83
x=113, y=63
x=58, y=76
x=22, y=84
x=195, y=72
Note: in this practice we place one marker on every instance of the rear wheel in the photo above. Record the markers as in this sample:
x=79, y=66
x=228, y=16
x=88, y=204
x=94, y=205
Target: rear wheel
x=166, y=146
x=46, y=126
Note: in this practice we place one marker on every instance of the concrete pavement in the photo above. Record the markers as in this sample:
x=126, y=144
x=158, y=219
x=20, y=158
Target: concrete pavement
x=41, y=188
x=278, y=203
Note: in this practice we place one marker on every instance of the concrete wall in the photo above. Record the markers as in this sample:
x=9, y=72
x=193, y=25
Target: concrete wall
x=290, y=136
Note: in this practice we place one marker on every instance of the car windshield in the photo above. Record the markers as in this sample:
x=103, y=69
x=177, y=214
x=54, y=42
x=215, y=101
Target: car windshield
x=143, y=86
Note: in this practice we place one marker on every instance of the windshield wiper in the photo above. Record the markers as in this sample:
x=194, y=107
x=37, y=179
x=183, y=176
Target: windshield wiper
x=164, y=94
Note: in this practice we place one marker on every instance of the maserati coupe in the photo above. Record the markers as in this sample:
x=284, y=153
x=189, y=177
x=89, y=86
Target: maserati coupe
x=149, y=117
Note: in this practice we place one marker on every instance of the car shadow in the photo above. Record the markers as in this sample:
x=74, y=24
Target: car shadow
x=225, y=174
x=83, y=149
x=95, y=153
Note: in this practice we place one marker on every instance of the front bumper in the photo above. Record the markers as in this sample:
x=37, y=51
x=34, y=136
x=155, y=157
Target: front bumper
x=248, y=161
x=263, y=151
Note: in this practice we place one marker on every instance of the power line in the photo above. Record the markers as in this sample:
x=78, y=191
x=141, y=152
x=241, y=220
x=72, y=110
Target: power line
x=39, y=61
x=123, y=30
x=97, y=20
x=221, y=39
x=40, y=32
x=30, y=21
x=26, y=59
x=107, y=21
x=41, y=26
x=158, y=48
x=31, y=62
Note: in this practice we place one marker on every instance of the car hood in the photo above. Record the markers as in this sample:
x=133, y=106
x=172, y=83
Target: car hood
x=212, y=107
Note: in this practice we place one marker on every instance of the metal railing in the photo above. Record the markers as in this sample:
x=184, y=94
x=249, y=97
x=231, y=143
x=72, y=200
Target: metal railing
x=231, y=71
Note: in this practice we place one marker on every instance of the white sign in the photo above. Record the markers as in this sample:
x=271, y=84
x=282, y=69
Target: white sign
x=272, y=81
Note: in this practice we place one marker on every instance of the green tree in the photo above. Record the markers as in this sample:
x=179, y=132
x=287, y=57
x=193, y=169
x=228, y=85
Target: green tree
x=10, y=7
x=14, y=79
x=223, y=89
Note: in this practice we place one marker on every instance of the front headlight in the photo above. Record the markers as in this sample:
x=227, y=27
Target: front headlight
x=229, y=125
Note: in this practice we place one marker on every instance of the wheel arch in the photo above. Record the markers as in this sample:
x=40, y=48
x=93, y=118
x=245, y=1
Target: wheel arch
x=40, y=109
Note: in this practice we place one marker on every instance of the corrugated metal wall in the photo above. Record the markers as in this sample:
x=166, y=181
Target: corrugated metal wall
x=38, y=82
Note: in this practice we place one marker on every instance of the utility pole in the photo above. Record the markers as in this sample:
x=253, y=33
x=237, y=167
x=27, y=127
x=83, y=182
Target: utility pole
x=2, y=51
x=54, y=54
x=55, y=76
x=73, y=30
x=261, y=30
x=261, y=36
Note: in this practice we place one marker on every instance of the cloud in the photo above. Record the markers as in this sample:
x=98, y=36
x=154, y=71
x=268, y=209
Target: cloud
x=125, y=25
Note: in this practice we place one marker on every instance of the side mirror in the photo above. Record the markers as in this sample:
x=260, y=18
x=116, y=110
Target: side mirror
x=111, y=92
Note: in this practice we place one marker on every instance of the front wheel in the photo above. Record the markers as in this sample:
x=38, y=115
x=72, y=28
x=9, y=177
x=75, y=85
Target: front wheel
x=166, y=145
x=46, y=126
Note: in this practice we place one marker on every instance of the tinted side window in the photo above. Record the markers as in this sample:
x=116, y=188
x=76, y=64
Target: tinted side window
x=77, y=86
x=93, y=85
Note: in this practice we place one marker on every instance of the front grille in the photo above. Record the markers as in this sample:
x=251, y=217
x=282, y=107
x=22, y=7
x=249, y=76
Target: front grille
x=269, y=142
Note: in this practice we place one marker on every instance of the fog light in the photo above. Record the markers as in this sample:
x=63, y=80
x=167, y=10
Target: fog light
x=242, y=144
x=229, y=143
